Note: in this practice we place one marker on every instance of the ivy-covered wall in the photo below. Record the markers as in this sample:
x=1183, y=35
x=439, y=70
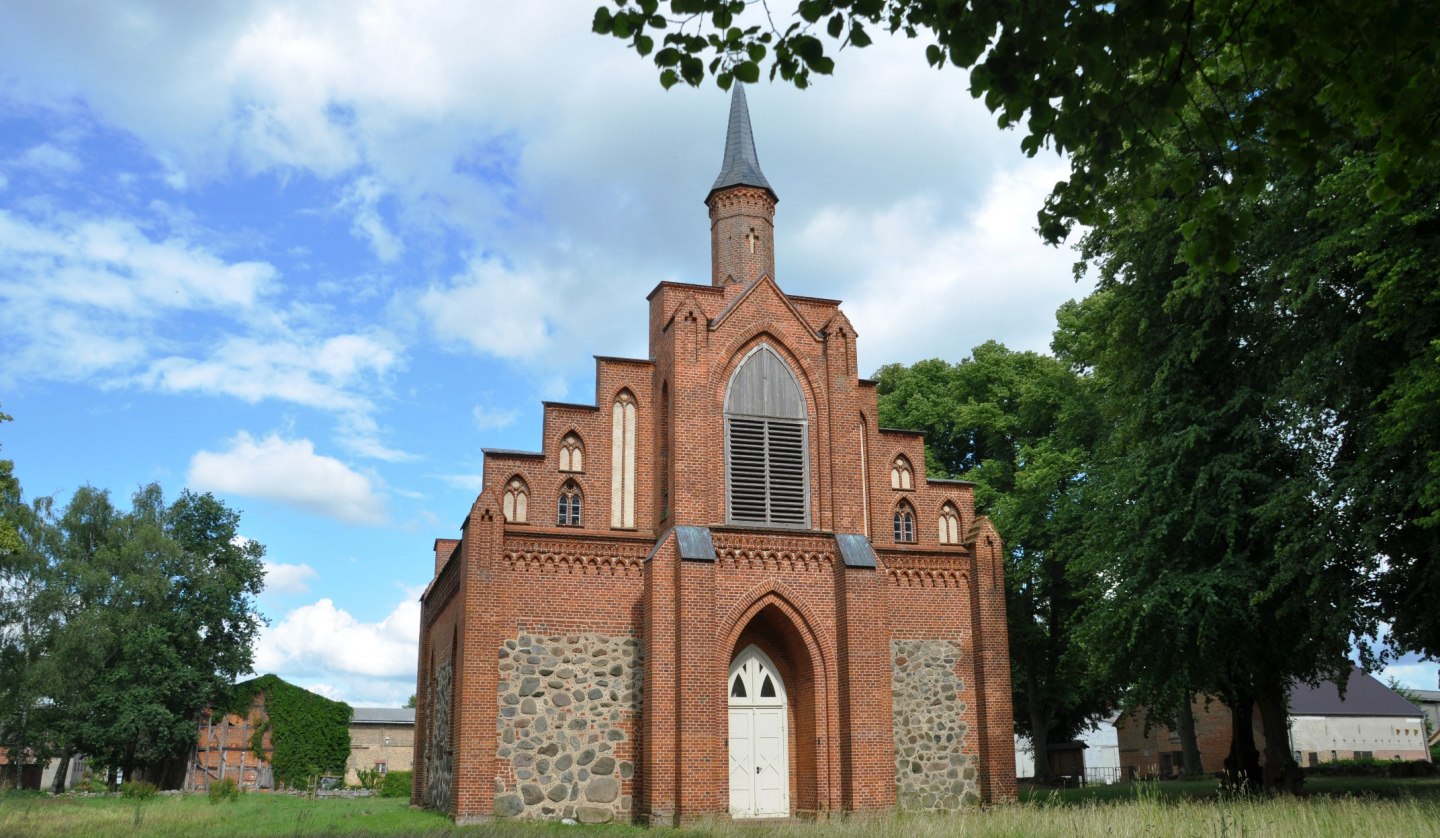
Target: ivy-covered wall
x=309, y=733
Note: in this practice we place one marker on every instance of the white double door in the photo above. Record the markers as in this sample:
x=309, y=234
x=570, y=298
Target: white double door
x=759, y=770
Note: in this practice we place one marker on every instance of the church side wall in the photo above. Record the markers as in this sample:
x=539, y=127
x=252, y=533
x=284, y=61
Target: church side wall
x=936, y=727
x=569, y=658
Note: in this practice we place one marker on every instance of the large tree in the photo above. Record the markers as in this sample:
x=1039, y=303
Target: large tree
x=141, y=619
x=1108, y=84
x=1234, y=542
x=1022, y=427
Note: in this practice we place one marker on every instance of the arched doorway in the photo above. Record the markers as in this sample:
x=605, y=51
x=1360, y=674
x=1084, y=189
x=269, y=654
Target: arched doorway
x=759, y=762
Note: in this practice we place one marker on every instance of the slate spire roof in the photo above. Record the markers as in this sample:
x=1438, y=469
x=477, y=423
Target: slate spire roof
x=741, y=166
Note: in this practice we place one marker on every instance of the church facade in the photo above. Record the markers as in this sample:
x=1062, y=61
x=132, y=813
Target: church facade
x=722, y=588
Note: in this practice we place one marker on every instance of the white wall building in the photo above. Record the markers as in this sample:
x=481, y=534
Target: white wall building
x=1102, y=753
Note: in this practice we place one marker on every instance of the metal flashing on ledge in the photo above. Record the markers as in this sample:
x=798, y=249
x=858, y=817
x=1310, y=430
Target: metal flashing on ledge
x=695, y=543
x=855, y=549
x=506, y=452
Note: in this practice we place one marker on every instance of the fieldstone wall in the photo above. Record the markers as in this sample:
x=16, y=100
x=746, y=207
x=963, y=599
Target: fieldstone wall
x=568, y=704
x=438, y=763
x=931, y=771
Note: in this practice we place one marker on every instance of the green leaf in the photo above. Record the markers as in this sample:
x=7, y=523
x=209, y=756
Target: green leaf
x=857, y=36
x=747, y=71
x=602, y=23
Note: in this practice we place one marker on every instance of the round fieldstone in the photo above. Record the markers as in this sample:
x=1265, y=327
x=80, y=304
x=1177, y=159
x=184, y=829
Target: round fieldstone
x=563, y=762
x=558, y=792
x=508, y=805
x=602, y=790
x=528, y=707
x=603, y=765
x=594, y=814
x=586, y=757
x=561, y=699
x=550, y=750
x=532, y=794
x=529, y=685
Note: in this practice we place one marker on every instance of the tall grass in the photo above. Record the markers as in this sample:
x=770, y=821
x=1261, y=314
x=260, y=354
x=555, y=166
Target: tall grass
x=1146, y=812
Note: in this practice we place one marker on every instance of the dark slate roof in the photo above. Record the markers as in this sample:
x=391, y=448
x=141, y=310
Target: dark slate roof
x=383, y=715
x=1364, y=696
x=741, y=166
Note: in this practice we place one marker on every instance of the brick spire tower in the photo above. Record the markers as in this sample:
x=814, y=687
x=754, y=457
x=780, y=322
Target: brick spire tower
x=742, y=206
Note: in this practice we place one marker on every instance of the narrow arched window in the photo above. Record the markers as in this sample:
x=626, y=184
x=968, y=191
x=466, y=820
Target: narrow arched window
x=949, y=524
x=900, y=475
x=567, y=507
x=572, y=453
x=904, y=524
x=766, y=464
x=622, y=461
x=516, y=501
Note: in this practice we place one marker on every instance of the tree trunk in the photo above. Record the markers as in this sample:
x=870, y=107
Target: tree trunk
x=58, y=786
x=1281, y=772
x=1242, y=766
x=1040, y=740
x=1189, y=748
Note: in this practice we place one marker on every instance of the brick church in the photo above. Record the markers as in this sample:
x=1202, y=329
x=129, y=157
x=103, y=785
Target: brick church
x=720, y=589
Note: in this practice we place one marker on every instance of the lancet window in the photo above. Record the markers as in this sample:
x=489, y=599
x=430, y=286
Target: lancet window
x=622, y=461
x=949, y=524
x=900, y=474
x=572, y=453
x=516, y=501
x=904, y=524
x=567, y=507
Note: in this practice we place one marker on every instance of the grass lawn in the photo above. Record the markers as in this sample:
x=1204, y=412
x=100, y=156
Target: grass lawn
x=1331, y=807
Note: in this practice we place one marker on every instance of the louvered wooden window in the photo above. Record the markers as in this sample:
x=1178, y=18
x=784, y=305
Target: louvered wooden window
x=766, y=444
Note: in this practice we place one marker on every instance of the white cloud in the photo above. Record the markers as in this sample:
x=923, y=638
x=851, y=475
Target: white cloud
x=288, y=578
x=290, y=472
x=86, y=296
x=1421, y=675
x=322, y=640
x=493, y=309
x=47, y=157
x=323, y=374
x=467, y=482
x=489, y=418
x=919, y=279
x=362, y=198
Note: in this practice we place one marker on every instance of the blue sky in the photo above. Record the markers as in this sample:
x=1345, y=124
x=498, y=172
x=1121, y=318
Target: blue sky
x=314, y=256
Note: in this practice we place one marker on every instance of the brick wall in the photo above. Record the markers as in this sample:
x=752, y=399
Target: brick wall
x=369, y=747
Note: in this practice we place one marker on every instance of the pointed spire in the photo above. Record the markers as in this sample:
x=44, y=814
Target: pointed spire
x=741, y=166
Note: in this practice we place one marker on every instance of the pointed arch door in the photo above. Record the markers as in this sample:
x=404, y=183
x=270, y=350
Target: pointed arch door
x=759, y=762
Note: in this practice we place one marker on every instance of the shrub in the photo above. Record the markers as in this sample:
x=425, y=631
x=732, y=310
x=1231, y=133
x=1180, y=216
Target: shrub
x=223, y=790
x=138, y=790
x=396, y=784
x=1371, y=768
x=369, y=778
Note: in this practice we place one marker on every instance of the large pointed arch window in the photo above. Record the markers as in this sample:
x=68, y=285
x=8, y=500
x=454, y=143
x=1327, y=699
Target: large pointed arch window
x=765, y=444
